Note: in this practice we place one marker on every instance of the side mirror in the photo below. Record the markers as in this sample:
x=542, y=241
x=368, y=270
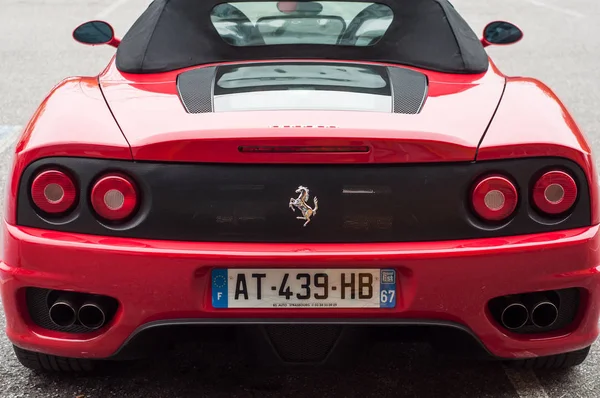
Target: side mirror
x=501, y=33
x=95, y=33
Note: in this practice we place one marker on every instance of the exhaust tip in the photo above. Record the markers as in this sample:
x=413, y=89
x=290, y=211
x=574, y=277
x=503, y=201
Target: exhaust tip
x=544, y=314
x=514, y=316
x=62, y=314
x=91, y=316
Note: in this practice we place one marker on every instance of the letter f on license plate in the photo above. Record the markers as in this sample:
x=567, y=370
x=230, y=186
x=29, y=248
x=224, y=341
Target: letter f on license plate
x=303, y=288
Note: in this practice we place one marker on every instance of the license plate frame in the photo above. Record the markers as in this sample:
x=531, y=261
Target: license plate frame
x=307, y=288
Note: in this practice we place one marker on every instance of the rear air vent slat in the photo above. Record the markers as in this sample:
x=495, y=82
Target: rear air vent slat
x=409, y=90
x=195, y=89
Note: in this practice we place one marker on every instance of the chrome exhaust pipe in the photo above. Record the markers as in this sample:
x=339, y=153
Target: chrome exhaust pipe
x=544, y=314
x=514, y=316
x=62, y=313
x=91, y=316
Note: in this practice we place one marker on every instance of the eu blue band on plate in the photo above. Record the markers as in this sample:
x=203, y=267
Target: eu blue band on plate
x=387, y=288
x=219, y=288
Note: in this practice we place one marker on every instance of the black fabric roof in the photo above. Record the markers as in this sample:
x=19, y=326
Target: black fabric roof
x=175, y=34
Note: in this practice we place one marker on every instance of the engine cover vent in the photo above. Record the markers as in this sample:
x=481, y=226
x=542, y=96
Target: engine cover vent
x=303, y=86
x=196, y=89
x=409, y=90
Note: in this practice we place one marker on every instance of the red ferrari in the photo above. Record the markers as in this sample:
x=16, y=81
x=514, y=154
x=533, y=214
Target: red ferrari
x=303, y=178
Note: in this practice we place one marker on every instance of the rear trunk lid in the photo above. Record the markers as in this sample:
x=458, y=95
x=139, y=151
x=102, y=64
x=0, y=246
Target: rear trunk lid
x=286, y=113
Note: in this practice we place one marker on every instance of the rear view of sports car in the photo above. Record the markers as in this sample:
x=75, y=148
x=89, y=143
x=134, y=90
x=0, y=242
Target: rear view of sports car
x=305, y=178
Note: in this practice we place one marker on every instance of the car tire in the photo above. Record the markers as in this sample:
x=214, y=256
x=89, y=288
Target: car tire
x=552, y=362
x=53, y=364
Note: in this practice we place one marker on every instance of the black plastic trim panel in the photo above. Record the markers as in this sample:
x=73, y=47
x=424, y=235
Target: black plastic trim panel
x=357, y=203
x=147, y=338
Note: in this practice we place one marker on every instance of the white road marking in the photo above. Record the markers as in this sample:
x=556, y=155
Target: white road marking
x=526, y=383
x=110, y=9
x=562, y=10
x=8, y=135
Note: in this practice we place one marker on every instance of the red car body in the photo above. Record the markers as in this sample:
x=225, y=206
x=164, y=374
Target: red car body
x=139, y=118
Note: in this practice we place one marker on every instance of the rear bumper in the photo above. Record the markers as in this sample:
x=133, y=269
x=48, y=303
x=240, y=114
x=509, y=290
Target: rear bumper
x=442, y=282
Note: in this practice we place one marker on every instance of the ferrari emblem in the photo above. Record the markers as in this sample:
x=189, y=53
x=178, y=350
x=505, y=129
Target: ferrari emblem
x=301, y=203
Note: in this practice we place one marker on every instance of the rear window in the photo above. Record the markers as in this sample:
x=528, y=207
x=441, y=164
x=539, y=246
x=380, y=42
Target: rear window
x=288, y=22
x=302, y=76
x=302, y=86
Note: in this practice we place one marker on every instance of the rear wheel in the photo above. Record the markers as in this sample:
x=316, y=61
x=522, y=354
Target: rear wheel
x=53, y=364
x=560, y=361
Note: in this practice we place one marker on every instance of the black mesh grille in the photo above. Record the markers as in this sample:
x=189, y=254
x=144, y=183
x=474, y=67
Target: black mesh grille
x=195, y=89
x=303, y=343
x=409, y=89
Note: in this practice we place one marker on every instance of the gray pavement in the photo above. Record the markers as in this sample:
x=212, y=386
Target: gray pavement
x=560, y=47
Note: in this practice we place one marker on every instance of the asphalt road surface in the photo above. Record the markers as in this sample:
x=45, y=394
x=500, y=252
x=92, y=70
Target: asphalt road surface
x=561, y=47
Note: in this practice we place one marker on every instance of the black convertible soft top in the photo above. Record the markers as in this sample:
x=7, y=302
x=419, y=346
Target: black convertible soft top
x=175, y=34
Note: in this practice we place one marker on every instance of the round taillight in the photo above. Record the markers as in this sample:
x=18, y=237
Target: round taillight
x=114, y=197
x=555, y=192
x=53, y=192
x=494, y=198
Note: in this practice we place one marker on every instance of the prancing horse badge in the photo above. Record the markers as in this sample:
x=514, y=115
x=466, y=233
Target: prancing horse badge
x=301, y=203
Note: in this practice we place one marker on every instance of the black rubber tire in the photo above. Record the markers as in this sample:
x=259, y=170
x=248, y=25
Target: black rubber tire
x=53, y=364
x=553, y=362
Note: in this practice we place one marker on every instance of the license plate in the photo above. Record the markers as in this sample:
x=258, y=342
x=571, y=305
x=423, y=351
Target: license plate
x=303, y=288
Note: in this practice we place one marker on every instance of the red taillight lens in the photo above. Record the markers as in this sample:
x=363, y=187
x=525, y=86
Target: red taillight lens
x=494, y=198
x=53, y=192
x=555, y=192
x=114, y=197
